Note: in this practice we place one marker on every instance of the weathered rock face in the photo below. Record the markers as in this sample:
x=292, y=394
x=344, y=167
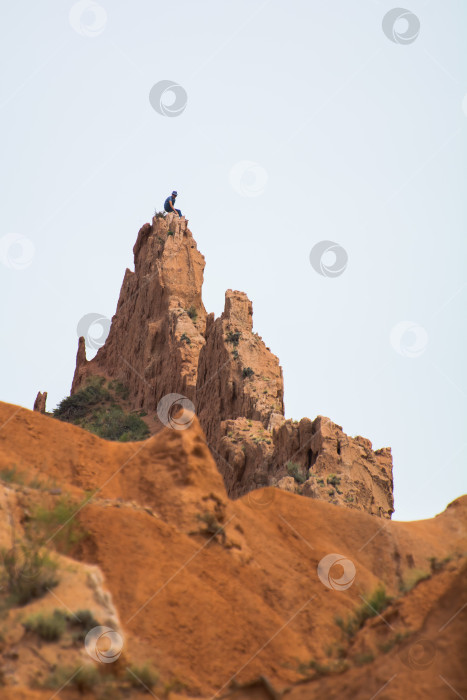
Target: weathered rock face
x=237, y=374
x=162, y=342
x=158, y=328
x=39, y=403
x=338, y=468
x=314, y=458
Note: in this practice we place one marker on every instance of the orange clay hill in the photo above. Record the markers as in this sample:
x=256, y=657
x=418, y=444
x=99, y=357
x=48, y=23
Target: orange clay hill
x=136, y=569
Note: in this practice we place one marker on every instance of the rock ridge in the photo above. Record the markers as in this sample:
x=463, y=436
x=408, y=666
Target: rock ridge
x=163, y=342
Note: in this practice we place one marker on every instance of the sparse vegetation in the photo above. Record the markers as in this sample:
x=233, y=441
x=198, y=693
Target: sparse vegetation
x=174, y=685
x=10, y=475
x=315, y=668
x=160, y=214
x=51, y=626
x=335, y=650
x=247, y=372
x=77, y=405
x=391, y=643
x=374, y=605
x=27, y=573
x=363, y=658
x=233, y=337
x=48, y=626
x=82, y=621
x=171, y=233
x=58, y=525
x=86, y=678
x=235, y=353
x=94, y=408
x=436, y=565
x=212, y=526
x=185, y=339
x=114, y=424
x=192, y=313
x=142, y=677
x=411, y=578
x=296, y=471
x=36, y=483
x=333, y=480
x=83, y=678
x=120, y=389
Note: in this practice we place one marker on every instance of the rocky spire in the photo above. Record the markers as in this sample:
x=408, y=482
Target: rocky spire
x=39, y=403
x=161, y=342
x=158, y=329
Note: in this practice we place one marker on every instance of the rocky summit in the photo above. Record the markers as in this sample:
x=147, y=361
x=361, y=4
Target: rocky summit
x=162, y=343
x=167, y=532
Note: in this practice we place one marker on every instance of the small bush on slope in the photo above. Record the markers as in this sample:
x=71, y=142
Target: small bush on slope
x=142, y=677
x=376, y=603
x=94, y=408
x=296, y=471
x=27, y=573
x=77, y=405
x=57, y=526
x=113, y=423
x=48, y=626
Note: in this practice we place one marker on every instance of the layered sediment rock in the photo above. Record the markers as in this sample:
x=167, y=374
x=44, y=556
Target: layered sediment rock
x=163, y=342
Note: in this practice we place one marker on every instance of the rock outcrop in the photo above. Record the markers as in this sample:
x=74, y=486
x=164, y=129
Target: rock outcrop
x=158, y=329
x=41, y=398
x=162, y=342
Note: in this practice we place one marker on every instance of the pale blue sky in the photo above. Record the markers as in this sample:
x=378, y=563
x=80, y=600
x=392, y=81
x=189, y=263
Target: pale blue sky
x=357, y=139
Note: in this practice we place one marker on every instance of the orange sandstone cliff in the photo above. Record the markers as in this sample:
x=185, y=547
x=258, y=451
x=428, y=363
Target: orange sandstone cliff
x=163, y=343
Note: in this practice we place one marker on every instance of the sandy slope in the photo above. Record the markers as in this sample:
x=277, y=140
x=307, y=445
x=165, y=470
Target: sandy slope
x=212, y=610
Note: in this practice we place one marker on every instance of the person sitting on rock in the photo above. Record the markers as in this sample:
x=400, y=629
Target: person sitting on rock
x=169, y=204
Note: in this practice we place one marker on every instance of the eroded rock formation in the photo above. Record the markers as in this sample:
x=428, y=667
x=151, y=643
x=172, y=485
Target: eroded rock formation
x=41, y=399
x=163, y=342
